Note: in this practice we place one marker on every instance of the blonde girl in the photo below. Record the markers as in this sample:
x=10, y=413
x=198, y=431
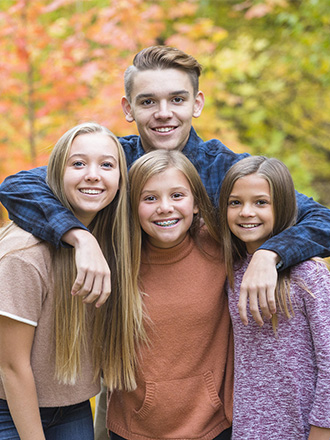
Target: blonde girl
x=184, y=378
x=52, y=345
x=282, y=387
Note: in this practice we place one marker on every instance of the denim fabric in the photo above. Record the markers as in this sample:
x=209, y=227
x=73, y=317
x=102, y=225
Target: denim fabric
x=225, y=435
x=34, y=208
x=74, y=422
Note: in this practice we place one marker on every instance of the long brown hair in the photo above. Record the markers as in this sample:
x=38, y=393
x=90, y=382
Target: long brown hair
x=117, y=325
x=284, y=206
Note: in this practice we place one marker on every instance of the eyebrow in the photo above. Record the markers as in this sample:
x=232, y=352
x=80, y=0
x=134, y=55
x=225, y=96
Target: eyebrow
x=256, y=196
x=177, y=188
x=103, y=156
x=152, y=95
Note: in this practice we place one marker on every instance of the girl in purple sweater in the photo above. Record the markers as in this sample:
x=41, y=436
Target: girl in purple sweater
x=282, y=369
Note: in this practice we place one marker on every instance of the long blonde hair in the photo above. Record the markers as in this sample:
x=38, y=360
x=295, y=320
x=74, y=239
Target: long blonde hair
x=284, y=206
x=156, y=162
x=117, y=325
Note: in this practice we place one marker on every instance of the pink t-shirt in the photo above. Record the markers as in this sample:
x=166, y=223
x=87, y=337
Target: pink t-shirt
x=26, y=295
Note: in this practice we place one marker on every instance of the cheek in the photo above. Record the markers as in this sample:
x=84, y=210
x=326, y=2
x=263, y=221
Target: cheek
x=69, y=183
x=140, y=118
x=230, y=219
x=142, y=214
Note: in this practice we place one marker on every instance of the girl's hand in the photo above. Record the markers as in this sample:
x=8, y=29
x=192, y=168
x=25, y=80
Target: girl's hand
x=258, y=285
x=93, y=280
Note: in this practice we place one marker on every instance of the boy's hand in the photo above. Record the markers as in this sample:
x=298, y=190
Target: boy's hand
x=258, y=285
x=93, y=280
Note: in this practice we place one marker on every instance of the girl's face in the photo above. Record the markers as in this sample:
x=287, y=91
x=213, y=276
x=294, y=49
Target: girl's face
x=166, y=208
x=91, y=177
x=250, y=213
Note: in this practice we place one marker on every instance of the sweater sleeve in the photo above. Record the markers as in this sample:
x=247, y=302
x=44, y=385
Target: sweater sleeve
x=32, y=206
x=317, y=280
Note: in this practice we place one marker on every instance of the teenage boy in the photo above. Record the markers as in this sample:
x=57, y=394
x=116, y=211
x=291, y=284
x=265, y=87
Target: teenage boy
x=162, y=96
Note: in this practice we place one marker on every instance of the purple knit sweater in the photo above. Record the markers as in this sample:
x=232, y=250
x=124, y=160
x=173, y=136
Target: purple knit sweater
x=282, y=384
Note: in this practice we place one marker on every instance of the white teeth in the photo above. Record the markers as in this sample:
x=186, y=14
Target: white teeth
x=91, y=191
x=250, y=226
x=167, y=223
x=164, y=129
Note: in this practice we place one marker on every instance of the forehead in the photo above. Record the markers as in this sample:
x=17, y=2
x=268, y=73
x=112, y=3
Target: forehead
x=253, y=183
x=160, y=82
x=90, y=143
x=169, y=178
x=94, y=145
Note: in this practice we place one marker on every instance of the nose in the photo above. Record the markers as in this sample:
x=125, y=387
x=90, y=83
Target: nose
x=247, y=210
x=163, y=111
x=165, y=206
x=92, y=173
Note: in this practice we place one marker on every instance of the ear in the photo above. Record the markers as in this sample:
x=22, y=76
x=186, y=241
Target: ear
x=126, y=106
x=199, y=104
x=196, y=210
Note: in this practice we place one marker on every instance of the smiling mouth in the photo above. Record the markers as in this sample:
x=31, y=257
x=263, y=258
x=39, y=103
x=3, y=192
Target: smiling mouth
x=250, y=225
x=91, y=191
x=167, y=223
x=164, y=129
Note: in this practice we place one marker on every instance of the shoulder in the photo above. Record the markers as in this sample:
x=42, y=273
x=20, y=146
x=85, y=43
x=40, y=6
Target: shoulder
x=19, y=244
x=130, y=140
x=311, y=275
x=313, y=268
x=132, y=147
x=210, y=154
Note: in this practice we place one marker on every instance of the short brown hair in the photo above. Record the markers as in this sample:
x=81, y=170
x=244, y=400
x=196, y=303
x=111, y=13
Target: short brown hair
x=162, y=57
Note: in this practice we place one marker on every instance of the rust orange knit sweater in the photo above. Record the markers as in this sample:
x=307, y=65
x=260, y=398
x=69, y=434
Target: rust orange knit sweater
x=185, y=377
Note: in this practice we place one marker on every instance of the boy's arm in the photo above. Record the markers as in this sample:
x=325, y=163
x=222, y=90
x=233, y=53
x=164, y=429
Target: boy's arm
x=32, y=206
x=310, y=237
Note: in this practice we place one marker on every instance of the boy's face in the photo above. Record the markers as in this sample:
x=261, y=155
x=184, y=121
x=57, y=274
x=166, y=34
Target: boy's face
x=163, y=105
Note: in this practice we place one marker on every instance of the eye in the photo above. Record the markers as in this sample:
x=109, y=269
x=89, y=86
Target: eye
x=107, y=165
x=262, y=202
x=147, y=102
x=233, y=202
x=149, y=199
x=178, y=100
x=177, y=195
x=78, y=164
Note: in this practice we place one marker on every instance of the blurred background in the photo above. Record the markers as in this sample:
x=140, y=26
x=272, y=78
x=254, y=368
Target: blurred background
x=266, y=74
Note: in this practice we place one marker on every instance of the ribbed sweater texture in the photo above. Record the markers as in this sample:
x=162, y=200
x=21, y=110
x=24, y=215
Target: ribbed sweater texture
x=185, y=376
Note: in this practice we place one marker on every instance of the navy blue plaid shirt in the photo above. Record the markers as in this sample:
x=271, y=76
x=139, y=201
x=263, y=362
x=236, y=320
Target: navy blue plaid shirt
x=34, y=208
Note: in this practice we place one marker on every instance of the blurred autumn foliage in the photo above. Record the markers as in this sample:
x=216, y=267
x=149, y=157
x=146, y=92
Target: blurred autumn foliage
x=266, y=74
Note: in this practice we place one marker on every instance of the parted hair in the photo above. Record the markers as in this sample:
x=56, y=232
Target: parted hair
x=156, y=162
x=117, y=325
x=162, y=57
x=284, y=207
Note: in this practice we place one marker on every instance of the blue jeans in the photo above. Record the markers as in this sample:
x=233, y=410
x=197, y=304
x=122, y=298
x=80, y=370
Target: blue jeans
x=74, y=422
